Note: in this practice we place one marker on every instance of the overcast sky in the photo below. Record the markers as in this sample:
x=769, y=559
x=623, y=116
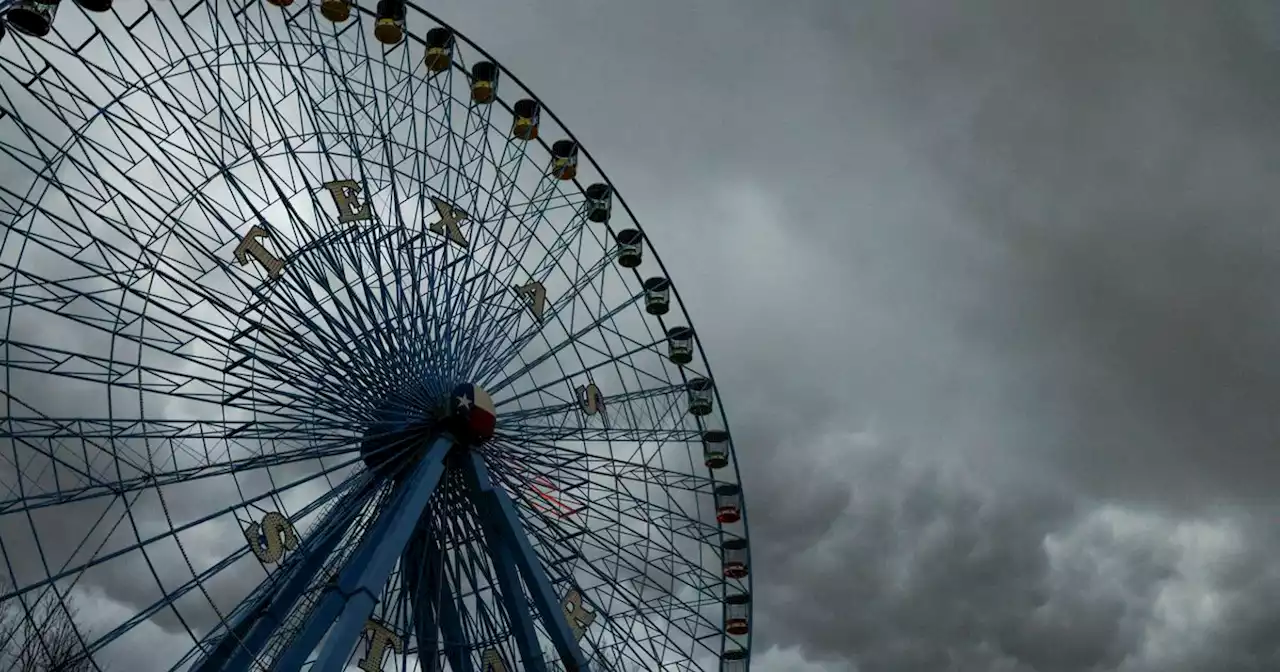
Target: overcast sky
x=991, y=283
x=987, y=288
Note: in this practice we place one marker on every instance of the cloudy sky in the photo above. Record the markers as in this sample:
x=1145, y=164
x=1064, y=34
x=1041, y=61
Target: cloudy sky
x=991, y=283
x=987, y=290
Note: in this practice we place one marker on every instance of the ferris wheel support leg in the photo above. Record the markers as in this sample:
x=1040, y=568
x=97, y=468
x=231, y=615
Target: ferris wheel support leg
x=421, y=571
x=456, y=646
x=505, y=568
x=359, y=584
x=433, y=604
x=496, y=506
x=278, y=604
x=246, y=639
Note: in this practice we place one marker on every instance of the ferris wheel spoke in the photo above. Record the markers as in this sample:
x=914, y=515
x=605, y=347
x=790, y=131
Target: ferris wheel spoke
x=636, y=609
x=419, y=311
x=71, y=571
x=496, y=507
x=350, y=107
x=152, y=378
x=169, y=429
x=501, y=191
x=498, y=554
x=492, y=358
x=441, y=84
x=504, y=186
x=149, y=476
x=370, y=300
x=336, y=329
x=280, y=196
x=77, y=238
x=51, y=587
x=485, y=158
x=470, y=574
x=345, y=607
x=507, y=356
x=670, y=391
x=480, y=157
x=477, y=560
x=197, y=582
x=436, y=128
x=473, y=565
x=63, y=296
x=557, y=456
x=37, y=294
x=345, y=531
x=638, y=509
x=451, y=622
x=342, y=69
x=545, y=435
x=366, y=325
x=437, y=150
x=345, y=347
x=64, y=363
x=59, y=297
x=528, y=221
x=615, y=360
x=548, y=538
x=587, y=278
x=188, y=105
x=471, y=152
x=534, y=213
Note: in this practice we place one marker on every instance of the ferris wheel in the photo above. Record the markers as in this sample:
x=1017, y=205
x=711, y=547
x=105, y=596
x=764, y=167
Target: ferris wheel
x=325, y=345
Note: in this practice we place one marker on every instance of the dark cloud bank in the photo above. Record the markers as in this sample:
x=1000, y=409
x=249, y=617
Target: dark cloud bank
x=988, y=287
x=1010, y=407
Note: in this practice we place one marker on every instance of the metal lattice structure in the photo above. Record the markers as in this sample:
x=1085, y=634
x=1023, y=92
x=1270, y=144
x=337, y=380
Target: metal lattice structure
x=325, y=344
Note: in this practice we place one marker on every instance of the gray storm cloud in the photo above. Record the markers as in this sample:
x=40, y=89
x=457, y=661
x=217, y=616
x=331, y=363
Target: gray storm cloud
x=1029, y=238
x=988, y=290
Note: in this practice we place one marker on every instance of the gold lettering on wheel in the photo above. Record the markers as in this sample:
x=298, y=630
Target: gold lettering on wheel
x=345, y=196
x=536, y=295
x=380, y=637
x=270, y=539
x=251, y=247
x=576, y=615
x=491, y=661
x=447, y=225
x=589, y=398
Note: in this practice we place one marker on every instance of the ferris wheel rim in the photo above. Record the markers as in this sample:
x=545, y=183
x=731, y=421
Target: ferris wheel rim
x=655, y=255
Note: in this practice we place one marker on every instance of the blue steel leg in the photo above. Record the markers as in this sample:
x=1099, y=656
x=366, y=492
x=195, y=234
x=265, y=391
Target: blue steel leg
x=496, y=505
x=245, y=641
x=421, y=568
x=508, y=580
x=250, y=644
x=360, y=582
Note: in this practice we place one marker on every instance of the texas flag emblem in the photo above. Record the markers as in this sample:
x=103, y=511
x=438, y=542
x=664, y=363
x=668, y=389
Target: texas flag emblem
x=474, y=407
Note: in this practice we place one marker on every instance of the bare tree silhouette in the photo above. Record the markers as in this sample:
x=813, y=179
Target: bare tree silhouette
x=38, y=634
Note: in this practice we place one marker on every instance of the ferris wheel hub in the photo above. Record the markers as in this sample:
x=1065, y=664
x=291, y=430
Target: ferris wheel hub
x=403, y=427
x=471, y=415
